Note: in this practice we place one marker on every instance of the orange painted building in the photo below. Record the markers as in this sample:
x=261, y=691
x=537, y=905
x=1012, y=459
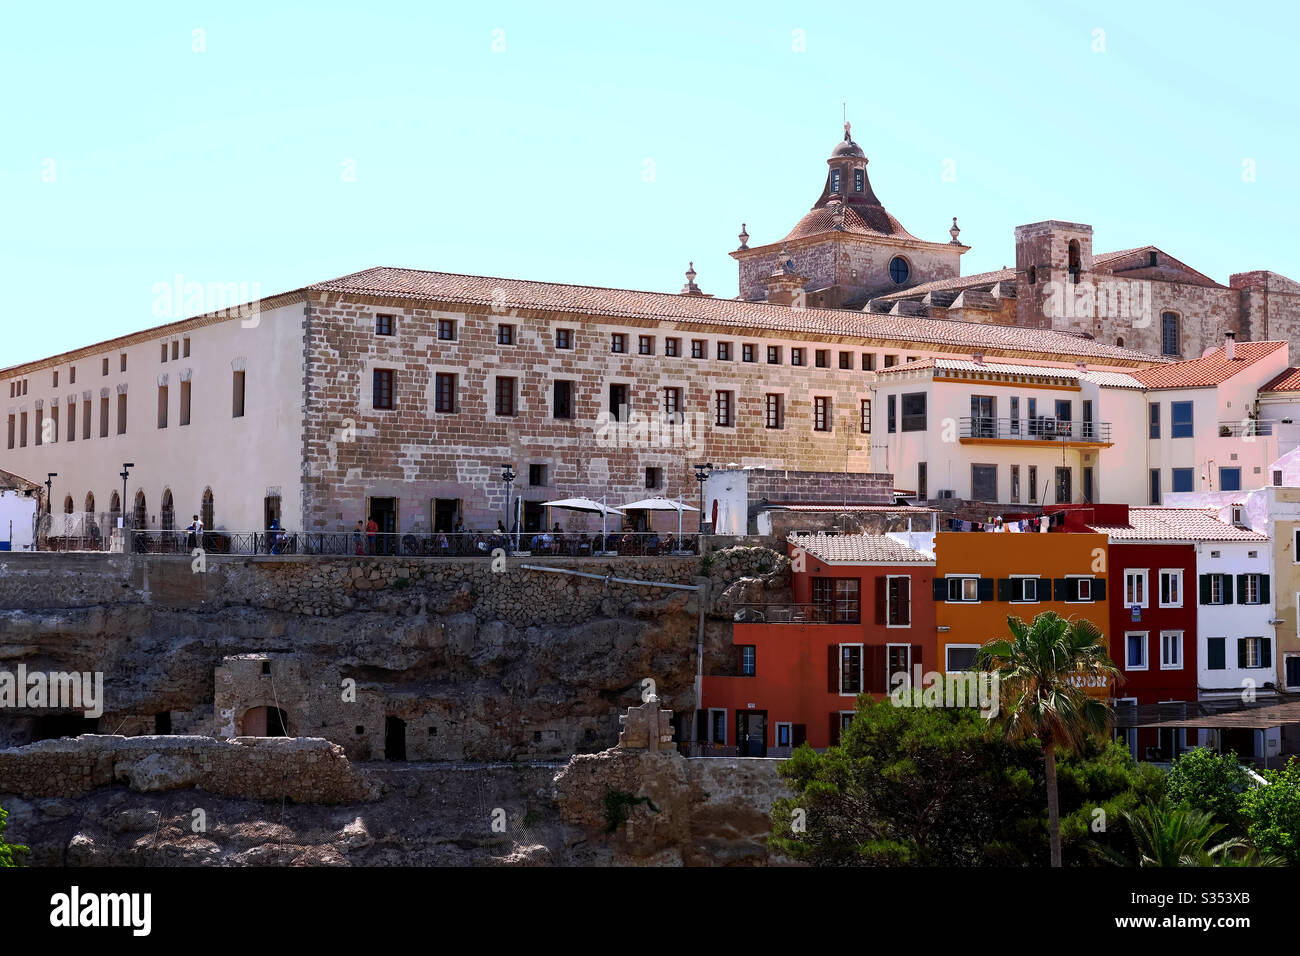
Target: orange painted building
x=862, y=609
x=982, y=577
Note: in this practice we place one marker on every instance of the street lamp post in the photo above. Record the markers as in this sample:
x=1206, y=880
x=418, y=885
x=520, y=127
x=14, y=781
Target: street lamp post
x=508, y=476
x=125, y=473
x=702, y=475
x=49, y=489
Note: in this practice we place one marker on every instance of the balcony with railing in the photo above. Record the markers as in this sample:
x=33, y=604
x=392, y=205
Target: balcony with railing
x=1249, y=428
x=990, y=430
x=840, y=612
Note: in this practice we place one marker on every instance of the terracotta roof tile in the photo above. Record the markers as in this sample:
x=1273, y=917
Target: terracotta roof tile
x=858, y=548
x=1177, y=524
x=1210, y=369
x=956, y=282
x=863, y=220
x=452, y=291
x=1288, y=381
x=1115, y=379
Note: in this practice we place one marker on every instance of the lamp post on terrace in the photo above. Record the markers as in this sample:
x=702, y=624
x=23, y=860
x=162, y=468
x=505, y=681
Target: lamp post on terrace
x=49, y=488
x=121, y=515
x=702, y=475
x=508, y=476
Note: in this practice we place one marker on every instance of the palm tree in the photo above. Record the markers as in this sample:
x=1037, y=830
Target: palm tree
x=1169, y=834
x=1039, y=671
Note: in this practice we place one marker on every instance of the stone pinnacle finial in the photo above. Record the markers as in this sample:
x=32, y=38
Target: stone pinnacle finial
x=744, y=236
x=691, y=288
x=954, y=231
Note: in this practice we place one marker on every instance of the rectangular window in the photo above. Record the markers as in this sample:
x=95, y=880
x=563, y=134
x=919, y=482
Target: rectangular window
x=1180, y=419
x=864, y=417
x=56, y=379
x=105, y=371
x=1251, y=652
x=723, y=402
x=699, y=349
x=1022, y=589
x=891, y=414
x=1079, y=589
x=1154, y=490
x=1249, y=588
x=185, y=348
x=39, y=422
x=1171, y=588
x=822, y=413
x=645, y=344
x=383, y=388
x=22, y=429
x=774, y=355
x=891, y=361
x=1230, y=479
x=672, y=347
x=121, y=413
x=1183, y=479
x=724, y=351
x=562, y=403
x=185, y=403
x=162, y=406
x=103, y=417
x=383, y=324
x=850, y=668
x=846, y=360
x=1171, y=650
x=775, y=418
x=122, y=362
x=175, y=350
x=654, y=477
x=672, y=401
x=618, y=403
x=1153, y=418
x=237, y=396
x=505, y=335
x=1014, y=410
x=868, y=361
x=960, y=657
x=1216, y=657
x=1033, y=483
x=505, y=404
x=1135, y=650
x=72, y=371
x=563, y=338
x=839, y=600
x=444, y=392
x=1015, y=483
x=922, y=481
x=963, y=589
x=747, y=352
x=796, y=357
x=747, y=660
x=85, y=419
x=537, y=475
x=1064, y=485
x=447, y=330
x=898, y=600
x=72, y=421
x=1135, y=588
x=984, y=482
x=617, y=342
x=913, y=412
x=1169, y=333
x=822, y=358
x=12, y=430
x=783, y=738
x=164, y=352
x=718, y=726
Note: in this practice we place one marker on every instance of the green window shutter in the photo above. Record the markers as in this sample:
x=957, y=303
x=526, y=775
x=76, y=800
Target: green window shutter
x=1265, y=652
x=1241, y=589
x=1263, y=589
x=1205, y=589
x=1241, y=652
x=1225, y=587
x=1059, y=589
x=1004, y=589
x=1099, y=589
x=1215, y=656
x=941, y=589
x=986, y=589
x=1044, y=589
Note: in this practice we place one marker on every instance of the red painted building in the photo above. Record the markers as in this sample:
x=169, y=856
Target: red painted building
x=862, y=609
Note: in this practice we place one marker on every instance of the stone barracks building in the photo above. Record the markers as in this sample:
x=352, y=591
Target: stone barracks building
x=401, y=393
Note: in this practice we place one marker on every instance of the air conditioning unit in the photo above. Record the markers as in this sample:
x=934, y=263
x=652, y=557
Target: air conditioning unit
x=946, y=493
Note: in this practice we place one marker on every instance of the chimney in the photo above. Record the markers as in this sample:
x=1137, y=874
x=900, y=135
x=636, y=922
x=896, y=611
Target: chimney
x=1081, y=366
x=978, y=358
x=1230, y=345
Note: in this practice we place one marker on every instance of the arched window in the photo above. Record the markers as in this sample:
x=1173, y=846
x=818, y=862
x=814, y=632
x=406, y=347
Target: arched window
x=167, y=516
x=1033, y=274
x=1076, y=260
x=67, y=504
x=1119, y=340
x=1169, y=344
x=140, y=514
x=208, y=510
x=90, y=502
x=899, y=270
x=114, y=507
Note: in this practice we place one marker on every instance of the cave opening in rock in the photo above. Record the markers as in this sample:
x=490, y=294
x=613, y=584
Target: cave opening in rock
x=394, y=738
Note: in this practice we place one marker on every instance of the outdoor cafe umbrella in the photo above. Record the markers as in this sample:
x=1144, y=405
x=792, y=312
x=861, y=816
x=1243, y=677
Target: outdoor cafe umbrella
x=661, y=504
x=587, y=506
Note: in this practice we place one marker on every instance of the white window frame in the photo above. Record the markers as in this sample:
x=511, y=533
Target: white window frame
x=849, y=714
x=862, y=669
x=1145, y=574
x=1022, y=599
x=1217, y=577
x=889, y=678
x=725, y=730
x=1256, y=575
x=789, y=733
x=1081, y=578
x=1248, y=638
x=963, y=577
x=1179, y=665
x=947, y=669
x=1146, y=651
x=1178, y=572
x=889, y=604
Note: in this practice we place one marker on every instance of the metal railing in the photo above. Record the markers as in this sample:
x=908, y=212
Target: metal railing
x=795, y=614
x=409, y=544
x=1034, y=429
x=1245, y=429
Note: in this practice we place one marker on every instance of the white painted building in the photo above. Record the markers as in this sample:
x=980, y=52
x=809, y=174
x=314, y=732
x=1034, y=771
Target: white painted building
x=20, y=500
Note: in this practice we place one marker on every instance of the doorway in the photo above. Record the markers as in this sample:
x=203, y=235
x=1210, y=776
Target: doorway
x=534, y=517
x=751, y=733
x=384, y=513
x=446, y=512
x=394, y=738
x=265, y=722
x=1064, y=485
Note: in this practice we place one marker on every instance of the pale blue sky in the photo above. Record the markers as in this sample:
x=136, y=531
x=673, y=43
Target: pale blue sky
x=228, y=165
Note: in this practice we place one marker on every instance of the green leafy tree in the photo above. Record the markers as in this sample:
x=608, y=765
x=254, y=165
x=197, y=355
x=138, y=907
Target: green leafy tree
x=939, y=787
x=1272, y=813
x=1210, y=782
x=1177, y=834
x=1037, y=668
x=9, y=852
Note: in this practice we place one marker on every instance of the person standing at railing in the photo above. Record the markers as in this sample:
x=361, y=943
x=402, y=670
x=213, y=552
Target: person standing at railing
x=372, y=529
x=356, y=538
x=196, y=533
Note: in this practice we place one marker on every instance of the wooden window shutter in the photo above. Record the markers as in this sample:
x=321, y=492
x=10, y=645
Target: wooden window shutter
x=1004, y=589
x=876, y=655
x=1241, y=652
x=1263, y=589
x=1266, y=652
x=985, y=589
x=1215, y=654
x=1205, y=589
x=1059, y=589
x=904, y=601
x=1044, y=589
x=1241, y=589
x=940, y=587
x=1099, y=589
x=881, y=598
x=835, y=729
x=1225, y=587
x=833, y=669
x=798, y=734
x=917, y=657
